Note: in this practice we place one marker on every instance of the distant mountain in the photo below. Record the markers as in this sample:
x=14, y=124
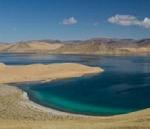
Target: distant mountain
x=72, y=41
x=105, y=46
x=39, y=46
x=100, y=46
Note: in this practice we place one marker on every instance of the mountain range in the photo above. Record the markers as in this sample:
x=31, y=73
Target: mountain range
x=98, y=46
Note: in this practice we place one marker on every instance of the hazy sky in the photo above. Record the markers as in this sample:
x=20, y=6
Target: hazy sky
x=73, y=19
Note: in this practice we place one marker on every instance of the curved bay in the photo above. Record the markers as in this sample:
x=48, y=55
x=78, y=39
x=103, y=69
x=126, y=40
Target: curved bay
x=123, y=87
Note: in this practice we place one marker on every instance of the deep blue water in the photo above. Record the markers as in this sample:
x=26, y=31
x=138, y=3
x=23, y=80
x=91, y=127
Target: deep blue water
x=123, y=87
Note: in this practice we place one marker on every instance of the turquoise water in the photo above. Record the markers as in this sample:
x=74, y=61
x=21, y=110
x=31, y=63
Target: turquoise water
x=123, y=87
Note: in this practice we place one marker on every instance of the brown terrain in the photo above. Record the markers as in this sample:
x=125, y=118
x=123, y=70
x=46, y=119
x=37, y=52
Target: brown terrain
x=99, y=46
x=18, y=112
x=30, y=47
x=41, y=72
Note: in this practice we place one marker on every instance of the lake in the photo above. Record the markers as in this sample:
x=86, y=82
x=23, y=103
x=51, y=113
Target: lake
x=123, y=87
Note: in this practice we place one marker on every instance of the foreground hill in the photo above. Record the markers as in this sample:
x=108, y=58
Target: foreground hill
x=100, y=46
x=16, y=112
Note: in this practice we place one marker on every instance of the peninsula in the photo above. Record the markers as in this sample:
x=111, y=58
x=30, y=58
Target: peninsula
x=41, y=72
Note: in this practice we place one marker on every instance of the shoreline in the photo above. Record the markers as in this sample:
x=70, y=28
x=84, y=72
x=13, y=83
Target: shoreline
x=48, y=109
x=77, y=54
x=53, y=111
x=42, y=108
x=44, y=72
x=29, y=114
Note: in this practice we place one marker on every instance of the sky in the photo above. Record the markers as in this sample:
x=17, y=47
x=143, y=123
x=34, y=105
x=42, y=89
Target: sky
x=73, y=19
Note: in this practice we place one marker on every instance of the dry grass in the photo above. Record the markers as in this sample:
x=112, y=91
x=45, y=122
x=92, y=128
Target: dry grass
x=15, y=115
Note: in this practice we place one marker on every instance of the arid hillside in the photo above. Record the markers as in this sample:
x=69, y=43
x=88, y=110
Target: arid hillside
x=30, y=47
x=104, y=46
x=100, y=46
x=17, y=113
